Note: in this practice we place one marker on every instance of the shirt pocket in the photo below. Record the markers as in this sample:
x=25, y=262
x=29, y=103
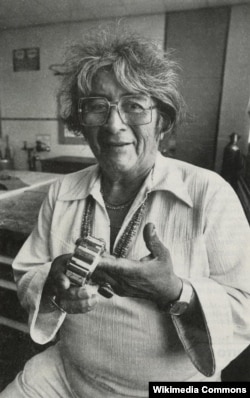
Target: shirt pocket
x=190, y=258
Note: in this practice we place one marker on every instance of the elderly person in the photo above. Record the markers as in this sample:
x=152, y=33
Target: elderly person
x=177, y=242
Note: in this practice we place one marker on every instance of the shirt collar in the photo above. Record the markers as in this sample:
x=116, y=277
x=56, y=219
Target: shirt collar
x=79, y=185
x=166, y=175
x=169, y=175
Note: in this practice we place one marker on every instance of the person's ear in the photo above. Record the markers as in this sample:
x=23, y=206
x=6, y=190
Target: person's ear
x=168, y=116
x=166, y=125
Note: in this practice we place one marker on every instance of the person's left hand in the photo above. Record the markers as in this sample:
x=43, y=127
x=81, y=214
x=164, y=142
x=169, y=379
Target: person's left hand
x=150, y=278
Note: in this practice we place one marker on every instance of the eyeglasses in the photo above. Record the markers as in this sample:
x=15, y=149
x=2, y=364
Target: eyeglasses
x=134, y=110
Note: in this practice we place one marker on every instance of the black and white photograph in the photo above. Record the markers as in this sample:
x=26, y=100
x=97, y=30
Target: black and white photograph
x=124, y=198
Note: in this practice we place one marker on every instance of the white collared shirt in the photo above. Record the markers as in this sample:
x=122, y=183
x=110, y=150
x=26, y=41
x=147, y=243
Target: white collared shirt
x=124, y=343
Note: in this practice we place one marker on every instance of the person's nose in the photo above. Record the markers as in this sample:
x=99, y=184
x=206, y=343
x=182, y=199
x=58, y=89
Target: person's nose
x=114, y=121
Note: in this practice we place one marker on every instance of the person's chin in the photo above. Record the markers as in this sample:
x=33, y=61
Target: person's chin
x=122, y=157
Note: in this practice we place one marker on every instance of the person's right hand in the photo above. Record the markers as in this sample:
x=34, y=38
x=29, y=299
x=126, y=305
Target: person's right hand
x=72, y=299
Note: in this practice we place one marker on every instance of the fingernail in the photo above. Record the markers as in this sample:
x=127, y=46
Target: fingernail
x=106, y=290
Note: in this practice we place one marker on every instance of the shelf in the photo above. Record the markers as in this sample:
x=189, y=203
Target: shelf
x=22, y=327
x=8, y=285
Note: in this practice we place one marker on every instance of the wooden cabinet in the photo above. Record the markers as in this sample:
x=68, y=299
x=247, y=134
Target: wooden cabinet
x=11, y=312
x=18, y=215
x=66, y=164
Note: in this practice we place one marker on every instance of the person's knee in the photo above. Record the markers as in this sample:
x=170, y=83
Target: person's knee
x=37, y=371
x=41, y=377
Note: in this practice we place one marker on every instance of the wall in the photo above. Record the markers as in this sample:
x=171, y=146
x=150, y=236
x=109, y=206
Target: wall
x=213, y=48
x=236, y=85
x=199, y=38
x=32, y=94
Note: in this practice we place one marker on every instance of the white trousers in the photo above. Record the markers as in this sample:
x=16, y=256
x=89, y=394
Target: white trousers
x=43, y=376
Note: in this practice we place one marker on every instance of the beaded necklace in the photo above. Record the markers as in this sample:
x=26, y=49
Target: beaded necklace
x=129, y=233
x=117, y=207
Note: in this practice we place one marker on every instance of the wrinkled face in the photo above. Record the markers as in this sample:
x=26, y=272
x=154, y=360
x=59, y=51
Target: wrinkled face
x=119, y=148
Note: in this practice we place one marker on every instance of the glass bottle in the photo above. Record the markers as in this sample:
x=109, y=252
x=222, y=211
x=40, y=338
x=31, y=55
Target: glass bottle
x=232, y=164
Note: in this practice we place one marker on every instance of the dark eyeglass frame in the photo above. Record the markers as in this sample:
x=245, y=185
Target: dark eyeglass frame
x=110, y=105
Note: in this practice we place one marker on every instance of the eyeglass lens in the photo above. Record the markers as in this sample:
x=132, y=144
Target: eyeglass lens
x=133, y=110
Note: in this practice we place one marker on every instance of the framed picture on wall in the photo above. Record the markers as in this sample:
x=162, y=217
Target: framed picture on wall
x=26, y=59
x=68, y=137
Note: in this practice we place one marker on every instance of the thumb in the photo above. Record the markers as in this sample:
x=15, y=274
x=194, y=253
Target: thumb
x=153, y=243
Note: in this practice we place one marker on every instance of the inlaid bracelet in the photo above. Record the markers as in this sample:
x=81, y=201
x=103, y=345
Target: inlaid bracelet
x=84, y=261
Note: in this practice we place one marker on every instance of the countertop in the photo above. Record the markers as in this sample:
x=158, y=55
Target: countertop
x=17, y=181
x=19, y=208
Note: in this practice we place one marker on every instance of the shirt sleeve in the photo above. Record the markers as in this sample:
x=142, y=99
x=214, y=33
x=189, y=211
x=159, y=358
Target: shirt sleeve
x=219, y=330
x=31, y=268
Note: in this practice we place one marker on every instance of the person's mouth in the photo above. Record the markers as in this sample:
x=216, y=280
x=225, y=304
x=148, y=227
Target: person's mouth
x=116, y=144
